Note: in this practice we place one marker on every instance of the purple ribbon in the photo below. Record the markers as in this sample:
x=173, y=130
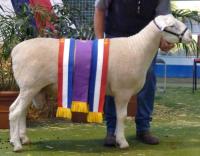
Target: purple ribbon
x=83, y=52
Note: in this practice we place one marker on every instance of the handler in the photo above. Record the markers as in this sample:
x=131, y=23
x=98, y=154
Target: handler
x=122, y=18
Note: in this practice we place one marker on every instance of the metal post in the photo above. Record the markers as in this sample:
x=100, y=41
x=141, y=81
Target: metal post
x=161, y=61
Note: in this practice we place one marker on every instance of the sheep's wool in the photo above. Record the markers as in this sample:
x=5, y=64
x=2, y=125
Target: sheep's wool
x=82, y=72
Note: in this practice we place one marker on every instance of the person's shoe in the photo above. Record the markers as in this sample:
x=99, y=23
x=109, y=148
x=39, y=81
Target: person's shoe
x=110, y=140
x=147, y=138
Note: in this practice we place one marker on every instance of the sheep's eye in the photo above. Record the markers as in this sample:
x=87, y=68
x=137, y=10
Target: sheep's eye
x=173, y=26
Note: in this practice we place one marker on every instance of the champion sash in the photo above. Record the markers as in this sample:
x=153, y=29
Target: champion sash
x=82, y=73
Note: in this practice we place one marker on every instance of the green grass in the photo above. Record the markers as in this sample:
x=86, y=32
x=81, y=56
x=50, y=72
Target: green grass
x=176, y=122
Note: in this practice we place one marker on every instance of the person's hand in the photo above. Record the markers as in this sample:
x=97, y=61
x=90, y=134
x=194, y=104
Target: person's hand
x=165, y=46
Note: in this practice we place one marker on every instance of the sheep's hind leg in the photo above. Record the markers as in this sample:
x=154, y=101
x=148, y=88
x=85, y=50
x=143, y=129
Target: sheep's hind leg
x=121, y=110
x=17, y=114
x=22, y=130
x=38, y=101
x=12, y=125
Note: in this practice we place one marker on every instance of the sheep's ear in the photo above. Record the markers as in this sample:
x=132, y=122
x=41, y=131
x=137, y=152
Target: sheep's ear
x=164, y=21
x=170, y=20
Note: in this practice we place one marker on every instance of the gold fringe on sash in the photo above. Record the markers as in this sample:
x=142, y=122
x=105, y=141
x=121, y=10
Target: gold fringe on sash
x=78, y=106
x=64, y=113
x=96, y=117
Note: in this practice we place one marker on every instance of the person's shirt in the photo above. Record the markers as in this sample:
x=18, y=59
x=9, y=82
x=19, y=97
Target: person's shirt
x=163, y=7
x=127, y=17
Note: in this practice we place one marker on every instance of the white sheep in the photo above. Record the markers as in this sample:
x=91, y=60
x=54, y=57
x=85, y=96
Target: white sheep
x=35, y=67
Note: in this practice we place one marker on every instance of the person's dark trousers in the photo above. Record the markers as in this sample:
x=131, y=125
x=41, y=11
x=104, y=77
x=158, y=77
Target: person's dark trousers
x=110, y=114
x=145, y=100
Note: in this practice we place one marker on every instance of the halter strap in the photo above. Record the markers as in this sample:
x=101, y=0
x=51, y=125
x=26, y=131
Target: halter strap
x=154, y=21
x=180, y=36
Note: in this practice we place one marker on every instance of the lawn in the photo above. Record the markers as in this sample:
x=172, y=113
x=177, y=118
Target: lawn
x=176, y=122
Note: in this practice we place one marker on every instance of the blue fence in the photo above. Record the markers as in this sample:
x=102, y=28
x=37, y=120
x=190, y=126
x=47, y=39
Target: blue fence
x=176, y=71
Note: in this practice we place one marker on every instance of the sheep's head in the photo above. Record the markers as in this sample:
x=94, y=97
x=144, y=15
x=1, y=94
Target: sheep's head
x=173, y=30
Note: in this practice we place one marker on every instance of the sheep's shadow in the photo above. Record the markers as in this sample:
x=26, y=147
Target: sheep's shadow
x=96, y=145
x=73, y=145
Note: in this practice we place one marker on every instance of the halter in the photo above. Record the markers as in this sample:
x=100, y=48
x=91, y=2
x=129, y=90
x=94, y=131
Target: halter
x=180, y=36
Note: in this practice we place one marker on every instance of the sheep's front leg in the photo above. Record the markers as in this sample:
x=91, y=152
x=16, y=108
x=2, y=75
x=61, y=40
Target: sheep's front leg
x=121, y=110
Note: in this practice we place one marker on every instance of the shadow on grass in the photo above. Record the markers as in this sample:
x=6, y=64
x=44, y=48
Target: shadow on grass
x=173, y=141
x=71, y=145
x=48, y=122
x=96, y=145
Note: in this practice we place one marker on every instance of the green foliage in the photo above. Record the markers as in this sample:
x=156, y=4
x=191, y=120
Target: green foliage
x=19, y=27
x=7, y=81
x=184, y=14
x=15, y=29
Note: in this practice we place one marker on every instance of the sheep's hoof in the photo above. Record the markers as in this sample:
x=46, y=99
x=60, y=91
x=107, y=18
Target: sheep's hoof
x=17, y=148
x=25, y=140
x=11, y=143
x=123, y=144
